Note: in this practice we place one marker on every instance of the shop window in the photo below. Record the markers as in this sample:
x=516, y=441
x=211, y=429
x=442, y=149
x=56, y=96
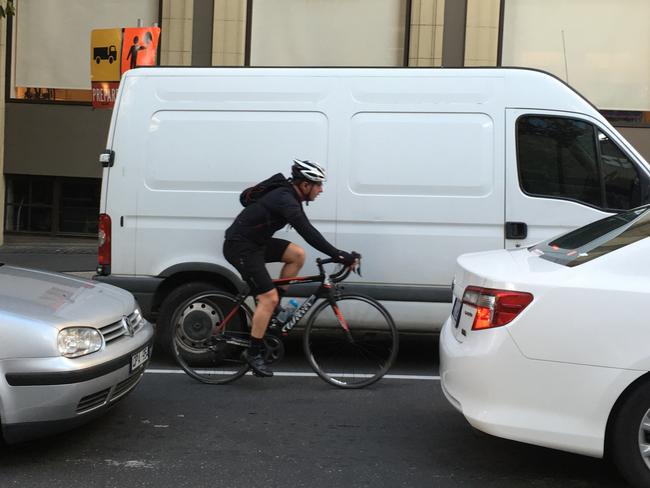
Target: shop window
x=51, y=205
x=623, y=118
x=602, y=49
x=328, y=33
x=47, y=71
x=79, y=206
x=29, y=204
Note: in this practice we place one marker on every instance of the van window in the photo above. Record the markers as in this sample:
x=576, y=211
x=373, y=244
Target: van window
x=561, y=157
x=557, y=157
x=622, y=182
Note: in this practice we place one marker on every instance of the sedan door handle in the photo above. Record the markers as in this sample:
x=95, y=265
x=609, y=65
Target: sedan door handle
x=516, y=230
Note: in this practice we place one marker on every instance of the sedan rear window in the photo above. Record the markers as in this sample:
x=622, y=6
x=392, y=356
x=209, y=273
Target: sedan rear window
x=596, y=239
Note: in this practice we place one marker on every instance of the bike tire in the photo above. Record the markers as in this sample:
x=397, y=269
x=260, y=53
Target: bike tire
x=203, y=352
x=355, y=358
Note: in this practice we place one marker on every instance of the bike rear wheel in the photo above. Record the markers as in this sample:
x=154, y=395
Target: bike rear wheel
x=351, y=343
x=201, y=349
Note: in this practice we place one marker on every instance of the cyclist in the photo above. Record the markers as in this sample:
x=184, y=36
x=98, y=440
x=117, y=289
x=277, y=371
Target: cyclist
x=250, y=244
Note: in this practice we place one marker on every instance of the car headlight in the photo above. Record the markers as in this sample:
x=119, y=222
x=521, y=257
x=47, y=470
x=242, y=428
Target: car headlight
x=78, y=341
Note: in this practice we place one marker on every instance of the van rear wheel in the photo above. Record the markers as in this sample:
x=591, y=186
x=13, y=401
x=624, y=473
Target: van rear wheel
x=184, y=304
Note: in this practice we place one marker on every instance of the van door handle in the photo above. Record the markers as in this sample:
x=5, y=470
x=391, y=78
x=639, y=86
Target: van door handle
x=516, y=230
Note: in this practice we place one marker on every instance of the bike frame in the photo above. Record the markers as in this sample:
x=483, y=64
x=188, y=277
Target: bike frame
x=326, y=290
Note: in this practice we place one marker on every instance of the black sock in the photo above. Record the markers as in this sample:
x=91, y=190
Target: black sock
x=256, y=346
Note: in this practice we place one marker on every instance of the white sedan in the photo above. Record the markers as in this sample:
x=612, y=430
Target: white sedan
x=550, y=345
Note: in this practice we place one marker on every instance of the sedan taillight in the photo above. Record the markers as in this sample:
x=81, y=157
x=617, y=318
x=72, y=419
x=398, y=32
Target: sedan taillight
x=495, y=308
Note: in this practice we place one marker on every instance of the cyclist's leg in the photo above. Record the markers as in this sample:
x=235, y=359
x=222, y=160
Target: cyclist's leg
x=250, y=262
x=293, y=259
x=292, y=255
x=266, y=303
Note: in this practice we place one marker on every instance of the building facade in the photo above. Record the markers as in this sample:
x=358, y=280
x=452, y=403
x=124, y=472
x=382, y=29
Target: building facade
x=52, y=136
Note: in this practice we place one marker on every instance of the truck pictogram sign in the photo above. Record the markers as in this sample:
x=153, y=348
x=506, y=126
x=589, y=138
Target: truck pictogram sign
x=108, y=53
x=105, y=54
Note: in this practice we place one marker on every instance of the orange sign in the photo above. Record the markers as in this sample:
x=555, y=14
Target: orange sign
x=139, y=45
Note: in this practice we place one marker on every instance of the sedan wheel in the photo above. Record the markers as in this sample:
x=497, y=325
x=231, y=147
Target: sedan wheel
x=630, y=437
x=644, y=439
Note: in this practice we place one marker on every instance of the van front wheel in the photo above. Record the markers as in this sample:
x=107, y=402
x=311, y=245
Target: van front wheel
x=185, y=304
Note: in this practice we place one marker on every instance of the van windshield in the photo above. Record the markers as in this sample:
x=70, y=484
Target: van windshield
x=596, y=239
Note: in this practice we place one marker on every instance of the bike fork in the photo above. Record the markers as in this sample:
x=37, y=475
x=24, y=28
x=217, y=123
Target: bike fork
x=342, y=322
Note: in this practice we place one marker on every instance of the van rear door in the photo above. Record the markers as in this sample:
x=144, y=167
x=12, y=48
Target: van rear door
x=120, y=180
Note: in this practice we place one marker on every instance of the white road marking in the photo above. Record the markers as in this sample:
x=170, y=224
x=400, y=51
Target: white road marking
x=130, y=464
x=299, y=374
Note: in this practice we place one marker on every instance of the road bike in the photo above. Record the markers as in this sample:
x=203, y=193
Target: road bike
x=350, y=340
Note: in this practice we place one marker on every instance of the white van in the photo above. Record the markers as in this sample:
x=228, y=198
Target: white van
x=423, y=165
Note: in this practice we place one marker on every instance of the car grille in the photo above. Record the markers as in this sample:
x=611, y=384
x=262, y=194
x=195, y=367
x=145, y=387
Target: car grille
x=114, y=331
x=100, y=398
x=123, y=387
x=93, y=401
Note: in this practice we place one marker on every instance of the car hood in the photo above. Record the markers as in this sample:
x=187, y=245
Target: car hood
x=59, y=300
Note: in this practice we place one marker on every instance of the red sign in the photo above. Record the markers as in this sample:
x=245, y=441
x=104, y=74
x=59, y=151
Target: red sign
x=104, y=93
x=139, y=46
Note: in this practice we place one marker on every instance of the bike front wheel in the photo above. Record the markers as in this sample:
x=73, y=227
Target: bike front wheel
x=205, y=348
x=352, y=342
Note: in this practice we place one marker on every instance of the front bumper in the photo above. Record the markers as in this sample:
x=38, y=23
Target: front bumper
x=40, y=396
x=499, y=391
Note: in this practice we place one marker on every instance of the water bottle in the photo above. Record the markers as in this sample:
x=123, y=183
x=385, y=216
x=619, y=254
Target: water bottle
x=286, y=313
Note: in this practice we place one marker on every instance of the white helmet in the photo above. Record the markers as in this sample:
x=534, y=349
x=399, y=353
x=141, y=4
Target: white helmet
x=307, y=170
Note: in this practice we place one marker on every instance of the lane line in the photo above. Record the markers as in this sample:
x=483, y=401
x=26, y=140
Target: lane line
x=299, y=374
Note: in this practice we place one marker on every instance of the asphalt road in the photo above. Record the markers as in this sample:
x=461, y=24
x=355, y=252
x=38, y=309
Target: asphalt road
x=292, y=432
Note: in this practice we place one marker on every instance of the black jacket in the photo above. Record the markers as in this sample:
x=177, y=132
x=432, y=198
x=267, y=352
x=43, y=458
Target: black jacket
x=260, y=220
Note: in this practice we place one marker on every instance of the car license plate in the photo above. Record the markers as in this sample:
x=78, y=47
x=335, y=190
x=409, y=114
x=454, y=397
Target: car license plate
x=455, y=312
x=139, y=358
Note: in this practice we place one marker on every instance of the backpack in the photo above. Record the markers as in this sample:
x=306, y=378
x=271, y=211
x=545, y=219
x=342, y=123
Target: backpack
x=254, y=193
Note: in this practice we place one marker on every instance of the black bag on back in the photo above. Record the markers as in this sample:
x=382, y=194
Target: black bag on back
x=254, y=193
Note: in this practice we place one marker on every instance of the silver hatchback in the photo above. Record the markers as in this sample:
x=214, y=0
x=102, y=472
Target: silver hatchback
x=69, y=349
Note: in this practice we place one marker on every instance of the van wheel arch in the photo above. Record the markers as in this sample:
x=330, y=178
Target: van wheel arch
x=186, y=277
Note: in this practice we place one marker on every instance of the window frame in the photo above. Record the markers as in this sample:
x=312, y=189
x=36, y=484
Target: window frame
x=641, y=171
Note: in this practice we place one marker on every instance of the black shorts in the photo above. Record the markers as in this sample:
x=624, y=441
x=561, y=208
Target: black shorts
x=250, y=260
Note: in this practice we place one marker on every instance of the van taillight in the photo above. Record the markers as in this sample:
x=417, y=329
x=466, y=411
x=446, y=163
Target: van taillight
x=104, y=251
x=495, y=308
